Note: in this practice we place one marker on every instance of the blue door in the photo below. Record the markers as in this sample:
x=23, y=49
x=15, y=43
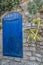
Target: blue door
x=12, y=35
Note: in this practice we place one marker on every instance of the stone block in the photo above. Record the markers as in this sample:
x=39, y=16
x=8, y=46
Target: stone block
x=17, y=59
x=32, y=49
x=29, y=54
x=33, y=53
x=42, y=59
x=26, y=48
x=41, y=63
x=38, y=55
x=5, y=62
x=38, y=59
x=24, y=40
x=25, y=44
x=24, y=35
x=41, y=51
x=41, y=47
x=32, y=58
x=31, y=45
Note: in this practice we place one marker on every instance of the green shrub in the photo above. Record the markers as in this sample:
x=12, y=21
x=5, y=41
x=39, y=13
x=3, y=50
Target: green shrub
x=33, y=7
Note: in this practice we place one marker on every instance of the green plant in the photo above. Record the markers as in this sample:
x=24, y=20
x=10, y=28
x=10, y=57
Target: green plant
x=33, y=33
x=39, y=3
x=29, y=19
x=7, y=5
x=34, y=6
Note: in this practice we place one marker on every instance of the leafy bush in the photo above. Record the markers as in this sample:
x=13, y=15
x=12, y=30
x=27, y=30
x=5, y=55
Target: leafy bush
x=33, y=7
x=7, y=5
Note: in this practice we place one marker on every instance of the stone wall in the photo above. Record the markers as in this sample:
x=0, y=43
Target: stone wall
x=32, y=52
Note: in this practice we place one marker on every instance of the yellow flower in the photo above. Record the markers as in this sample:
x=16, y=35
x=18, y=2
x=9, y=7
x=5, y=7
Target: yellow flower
x=38, y=19
x=34, y=20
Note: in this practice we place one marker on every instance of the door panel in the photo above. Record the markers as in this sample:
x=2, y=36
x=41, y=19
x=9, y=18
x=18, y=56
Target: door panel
x=12, y=38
